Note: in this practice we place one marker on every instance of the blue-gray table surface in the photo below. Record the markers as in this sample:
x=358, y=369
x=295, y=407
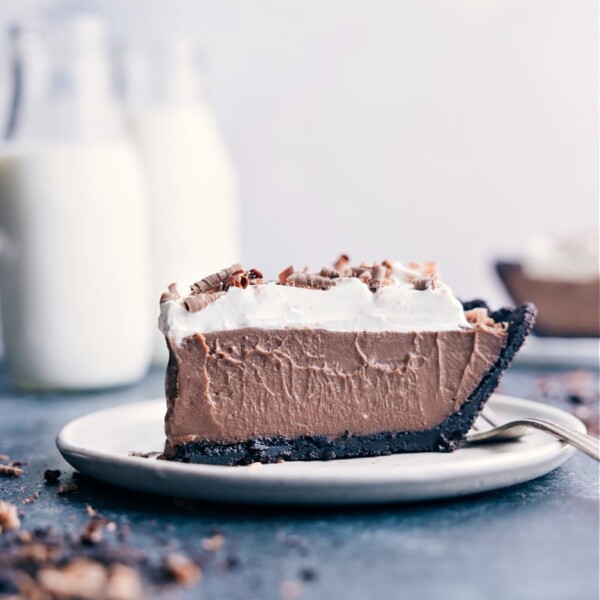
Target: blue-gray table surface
x=538, y=540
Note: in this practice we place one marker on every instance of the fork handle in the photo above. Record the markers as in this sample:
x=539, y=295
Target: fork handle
x=581, y=441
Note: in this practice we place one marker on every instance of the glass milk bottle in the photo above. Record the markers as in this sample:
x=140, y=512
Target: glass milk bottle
x=191, y=177
x=74, y=223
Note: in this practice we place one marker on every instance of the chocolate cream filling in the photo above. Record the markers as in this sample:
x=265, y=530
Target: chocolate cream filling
x=252, y=383
x=569, y=309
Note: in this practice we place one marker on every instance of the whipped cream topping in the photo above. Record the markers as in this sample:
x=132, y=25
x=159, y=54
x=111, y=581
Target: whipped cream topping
x=347, y=306
x=574, y=259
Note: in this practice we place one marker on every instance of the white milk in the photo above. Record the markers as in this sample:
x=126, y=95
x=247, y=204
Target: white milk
x=76, y=307
x=194, y=196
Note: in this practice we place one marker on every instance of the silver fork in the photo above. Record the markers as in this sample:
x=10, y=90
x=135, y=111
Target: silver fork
x=488, y=426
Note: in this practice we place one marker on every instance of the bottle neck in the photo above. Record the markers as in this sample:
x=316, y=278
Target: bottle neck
x=162, y=75
x=63, y=90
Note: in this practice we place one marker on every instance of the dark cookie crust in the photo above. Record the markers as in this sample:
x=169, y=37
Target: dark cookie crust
x=445, y=437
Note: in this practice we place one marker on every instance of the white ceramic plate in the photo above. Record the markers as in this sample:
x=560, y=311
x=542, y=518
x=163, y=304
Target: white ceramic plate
x=559, y=352
x=99, y=445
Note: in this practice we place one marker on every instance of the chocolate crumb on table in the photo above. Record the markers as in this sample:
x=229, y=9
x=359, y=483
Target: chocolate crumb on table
x=308, y=574
x=124, y=583
x=49, y=563
x=144, y=454
x=10, y=471
x=9, y=517
x=290, y=589
x=577, y=392
x=182, y=569
x=67, y=488
x=52, y=475
x=31, y=498
x=212, y=544
x=92, y=532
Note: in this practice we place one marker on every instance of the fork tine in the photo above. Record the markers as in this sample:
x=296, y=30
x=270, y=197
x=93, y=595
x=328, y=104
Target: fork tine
x=488, y=415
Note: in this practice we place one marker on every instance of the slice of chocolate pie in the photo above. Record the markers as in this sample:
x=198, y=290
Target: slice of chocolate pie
x=352, y=361
x=562, y=276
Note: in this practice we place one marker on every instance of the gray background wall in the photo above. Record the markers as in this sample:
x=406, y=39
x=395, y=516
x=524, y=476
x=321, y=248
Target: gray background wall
x=437, y=129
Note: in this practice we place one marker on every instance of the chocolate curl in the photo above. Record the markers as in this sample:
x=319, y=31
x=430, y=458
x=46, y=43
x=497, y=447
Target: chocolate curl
x=341, y=262
x=171, y=294
x=254, y=274
x=378, y=275
x=427, y=269
x=240, y=281
x=285, y=274
x=330, y=272
x=365, y=277
x=389, y=269
x=359, y=270
x=479, y=316
x=194, y=303
x=424, y=283
x=308, y=280
x=217, y=281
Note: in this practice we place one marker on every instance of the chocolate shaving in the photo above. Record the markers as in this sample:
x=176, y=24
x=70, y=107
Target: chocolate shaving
x=87, y=578
x=254, y=274
x=31, y=498
x=212, y=544
x=9, y=517
x=239, y=281
x=341, y=262
x=425, y=283
x=330, y=272
x=46, y=564
x=217, y=281
x=479, y=316
x=67, y=488
x=377, y=276
x=10, y=471
x=290, y=589
x=427, y=269
x=309, y=574
x=182, y=569
x=308, y=280
x=195, y=303
x=124, y=583
x=144, y=454
x=92, y=531
x=365, y=277
x=358, y=271
x=285, y=274
x=172, y=294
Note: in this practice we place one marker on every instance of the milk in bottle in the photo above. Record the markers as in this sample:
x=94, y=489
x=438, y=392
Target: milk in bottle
x=192, y=181
x=75, y=264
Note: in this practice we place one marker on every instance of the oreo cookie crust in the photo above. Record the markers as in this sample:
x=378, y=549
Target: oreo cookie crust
x=445, y=437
